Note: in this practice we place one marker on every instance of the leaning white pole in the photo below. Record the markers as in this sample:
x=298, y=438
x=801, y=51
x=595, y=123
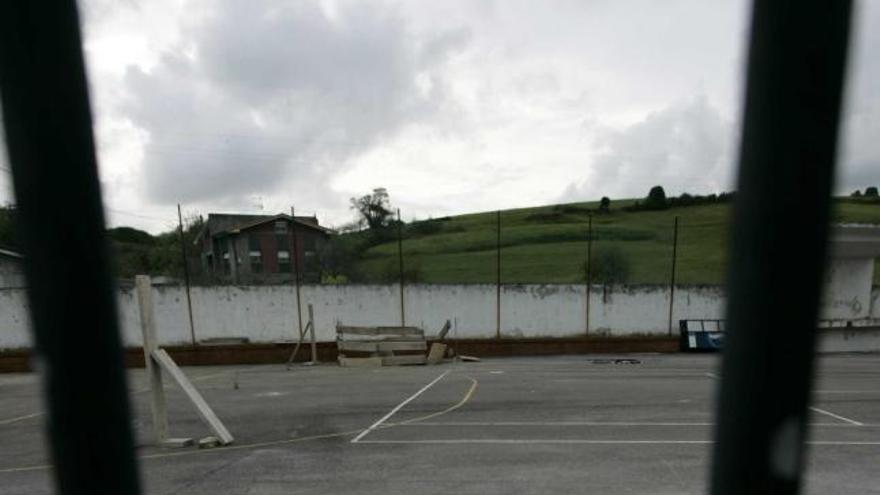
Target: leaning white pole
x=202, y=408
x=144, y=291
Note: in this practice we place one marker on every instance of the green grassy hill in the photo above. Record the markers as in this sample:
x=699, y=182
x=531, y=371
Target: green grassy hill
x=548, y=244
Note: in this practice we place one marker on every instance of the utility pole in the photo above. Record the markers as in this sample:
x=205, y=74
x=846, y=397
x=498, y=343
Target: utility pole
x=400, y=267
x=589, y=268
x=189, y=307
x=672, y=276
x=299, y=316
x=498, y=275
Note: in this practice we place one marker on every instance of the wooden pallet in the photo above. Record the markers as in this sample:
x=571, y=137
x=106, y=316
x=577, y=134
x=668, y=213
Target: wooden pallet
x=380, y=346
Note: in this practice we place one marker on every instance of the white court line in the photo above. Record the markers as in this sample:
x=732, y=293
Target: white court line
x=848, y=391
x=588, y=423
x=20, y=418
x=836, y=416
x=399, y=406
x=587, y=442
x=816, y=409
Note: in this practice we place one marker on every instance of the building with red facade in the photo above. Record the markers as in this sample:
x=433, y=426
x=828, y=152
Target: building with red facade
x=261, y=248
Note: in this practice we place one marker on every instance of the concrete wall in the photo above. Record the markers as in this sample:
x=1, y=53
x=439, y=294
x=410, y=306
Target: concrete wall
x=848, y=292
x=268, y=313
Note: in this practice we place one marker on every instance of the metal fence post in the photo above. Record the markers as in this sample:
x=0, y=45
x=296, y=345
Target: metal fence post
x=400, y=268
x=589, y=270
x=498, y=275
x=189, y=306
x=672, y=275
x=296, y=276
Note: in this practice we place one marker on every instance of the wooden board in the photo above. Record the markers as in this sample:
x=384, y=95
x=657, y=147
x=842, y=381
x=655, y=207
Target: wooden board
x=398, y=360
x=366, y=362
x=403, y=346
x=380, y=330
x=379, y=338
x=205, y=412
x=361, y=346
x=357, y=346
x=435, y=356
x=445, y=330
x=144, y=290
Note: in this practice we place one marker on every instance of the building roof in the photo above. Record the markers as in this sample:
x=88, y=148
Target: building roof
x=308, y=222
x=231, y=223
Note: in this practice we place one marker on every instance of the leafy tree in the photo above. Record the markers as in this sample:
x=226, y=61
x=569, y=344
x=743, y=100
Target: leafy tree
x=856, y=194
x=605, y=205
x=871, y=192
x=374, y=209
x=130, y=234
x=338, y=257
x=656, y=199
x=610, y=266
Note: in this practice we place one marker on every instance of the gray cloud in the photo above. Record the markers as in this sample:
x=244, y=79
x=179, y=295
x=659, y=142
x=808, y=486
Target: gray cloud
x=454, y=106
x=684, y=147
x=860, y=146
x=258, y=93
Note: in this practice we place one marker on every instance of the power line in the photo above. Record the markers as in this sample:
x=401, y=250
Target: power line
x=137, y=215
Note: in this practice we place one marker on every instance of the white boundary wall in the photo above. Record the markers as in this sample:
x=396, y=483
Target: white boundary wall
x=268, y=313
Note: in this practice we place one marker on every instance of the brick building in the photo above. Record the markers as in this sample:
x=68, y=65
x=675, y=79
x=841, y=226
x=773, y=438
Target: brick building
x=259, y=248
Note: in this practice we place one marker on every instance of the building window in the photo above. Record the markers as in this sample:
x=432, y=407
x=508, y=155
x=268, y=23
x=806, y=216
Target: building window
x=226, y=269
x=255, y=254
x=284, y=261
x=281, y=227
x=256, y=259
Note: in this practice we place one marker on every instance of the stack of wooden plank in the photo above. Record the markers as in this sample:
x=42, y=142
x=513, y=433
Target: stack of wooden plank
x=380, y=346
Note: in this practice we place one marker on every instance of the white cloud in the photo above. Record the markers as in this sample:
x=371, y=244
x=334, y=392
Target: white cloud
x=453, y=106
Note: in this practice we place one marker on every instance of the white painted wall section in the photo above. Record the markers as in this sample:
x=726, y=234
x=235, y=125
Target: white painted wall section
x=268, y=313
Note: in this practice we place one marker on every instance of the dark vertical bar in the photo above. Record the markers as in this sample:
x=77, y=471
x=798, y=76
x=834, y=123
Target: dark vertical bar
x=61, y=222
x=189, y=306
x=589, y=269
x=498, y=275
x=293, y=233
x=400, y=268
x=796, y=68
x=672, y=275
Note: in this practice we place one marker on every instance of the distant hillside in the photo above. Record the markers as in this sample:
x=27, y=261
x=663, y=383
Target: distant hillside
x=548, y=244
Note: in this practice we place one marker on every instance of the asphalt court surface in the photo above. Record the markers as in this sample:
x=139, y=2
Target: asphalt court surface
x=589, y=424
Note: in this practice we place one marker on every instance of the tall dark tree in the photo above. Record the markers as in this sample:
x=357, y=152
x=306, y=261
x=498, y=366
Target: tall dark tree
x=604, y=205
x=374, y=209
x=871, y=192
x=656, y=199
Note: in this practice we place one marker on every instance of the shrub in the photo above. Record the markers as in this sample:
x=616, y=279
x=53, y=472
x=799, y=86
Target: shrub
x=656, y=199
x=412, y=272
x=610, y=266
x=423, y=228
x=555, y=217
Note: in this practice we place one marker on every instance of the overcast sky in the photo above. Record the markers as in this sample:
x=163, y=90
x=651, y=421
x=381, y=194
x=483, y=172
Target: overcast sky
x=453, y=106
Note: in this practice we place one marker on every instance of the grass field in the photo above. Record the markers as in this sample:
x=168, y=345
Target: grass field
x=549, y=244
